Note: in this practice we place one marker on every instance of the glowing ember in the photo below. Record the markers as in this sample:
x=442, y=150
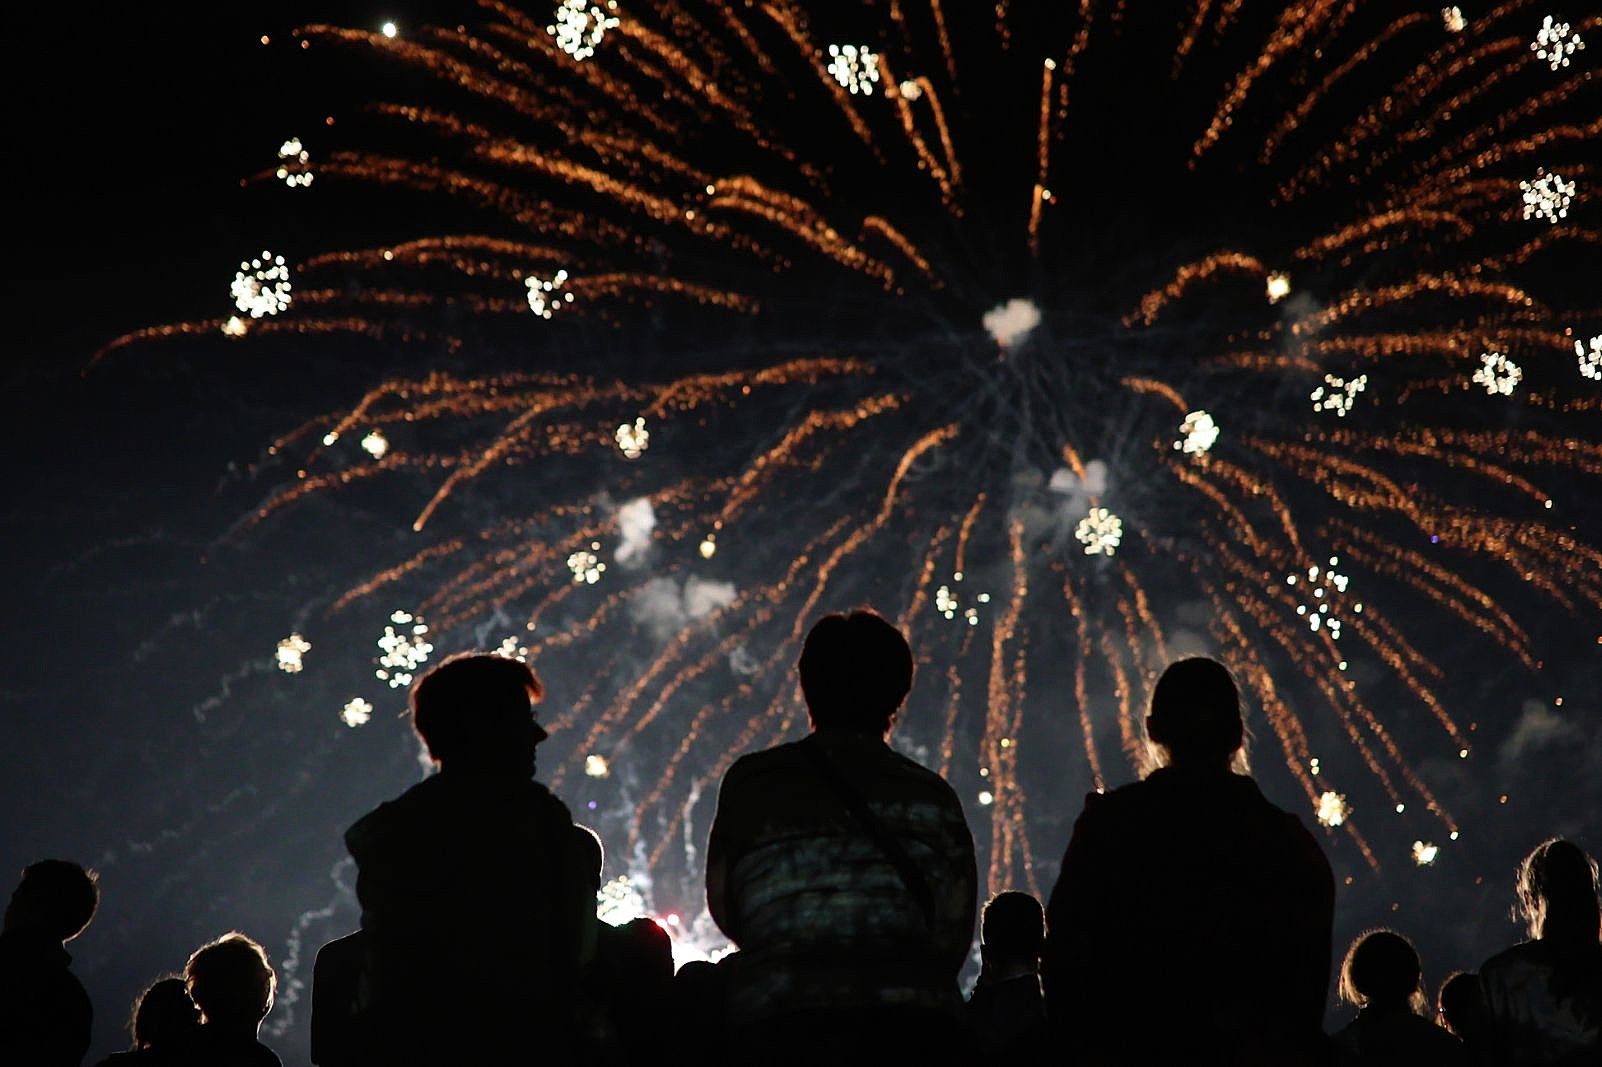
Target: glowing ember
x=632, y=438
x=375, y=444
x=596, y=766
x=1424, y=854
x=1332, y=809
x=1278, y=287
x=1198, y=433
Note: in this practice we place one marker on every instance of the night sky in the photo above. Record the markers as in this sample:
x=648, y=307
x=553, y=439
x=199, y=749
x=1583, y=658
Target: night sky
x=151, y=736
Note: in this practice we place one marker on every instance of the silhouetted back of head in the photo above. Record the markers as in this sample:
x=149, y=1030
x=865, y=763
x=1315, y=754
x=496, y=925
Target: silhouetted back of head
x=164, y=1015
x=645, y=951
x=855, y=670
x=592, y=854
x=477, y=708
x=55, y=899
x=231, y=982
x=1462, y=1005
x=1013, y=928
x=1195, y=716
x=1557, y=891
x=1382, y=969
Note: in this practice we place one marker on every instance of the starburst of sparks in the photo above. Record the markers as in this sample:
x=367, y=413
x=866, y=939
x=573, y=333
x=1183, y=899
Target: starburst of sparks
x=356, y=712
x=374, y=443
x=1424, y=854
x=403, y=648
x=294, y=164
x=546, y=295
x=261, y=286
x=879, y=309
x=1590, y=357
x=1198, y=434
x=1555, y=42
x=1338, y=394
x=290, y=651
x=1100, y=532
x=1332, y=808
x=1547, y=197
x=596, y=766
x=581, y=26
x=632, y=438
x=1498, y=374
x=854, y=67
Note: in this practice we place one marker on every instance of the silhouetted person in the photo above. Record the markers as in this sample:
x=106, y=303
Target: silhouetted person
x=1382, y=978
x=164, y=1024
x=474, y=898
x=698, y=994
x=1461, y=1005
x=1191, y=920
x=338, y=1000
x=844, y=871
x=233, y=985
x=1006, y=1010
x=45, y=1015
x=1543, y=998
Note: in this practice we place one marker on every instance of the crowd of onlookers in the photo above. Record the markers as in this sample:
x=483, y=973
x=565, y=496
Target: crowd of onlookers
x=1190, y=923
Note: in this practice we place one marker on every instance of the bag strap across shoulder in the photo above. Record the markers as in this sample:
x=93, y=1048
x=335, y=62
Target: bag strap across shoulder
x=857, y=805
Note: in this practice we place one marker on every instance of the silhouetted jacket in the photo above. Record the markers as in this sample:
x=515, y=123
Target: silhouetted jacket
x=45, y=1014
x=1395, y=1037
x=477, y=908
x=1190, y=923
x=1544, y=1005
x=822, y=918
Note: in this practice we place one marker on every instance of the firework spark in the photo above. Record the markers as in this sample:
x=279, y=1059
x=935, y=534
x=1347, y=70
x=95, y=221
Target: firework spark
x=891, y=299
x=1590, y=357
x=356, y=712
x=290, y=652
x=1332, y=809
x=261, y=286
x=404, y=647
x=1498, y=374
x=294, y=164
x=1555, y=42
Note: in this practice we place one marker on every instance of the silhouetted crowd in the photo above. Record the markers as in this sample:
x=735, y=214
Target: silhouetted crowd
x=1190, y=923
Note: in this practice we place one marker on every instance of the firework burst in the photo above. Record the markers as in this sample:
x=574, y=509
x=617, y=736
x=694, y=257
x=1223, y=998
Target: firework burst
x=934, y=303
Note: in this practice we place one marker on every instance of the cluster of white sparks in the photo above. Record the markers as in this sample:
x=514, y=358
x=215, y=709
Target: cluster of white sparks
x=1547, y=197
x=1199, y=432
x=1100, y=532
x=1324, y=584
x=1424, y=854
x=405, y=647
x=293, y=154
x=1278, y=287
x=632, y=438
x=949, y=604
x=1452, y=18
x=619, y=902
x=375, y=444
x=1555, y=43
x=581, y=26
x=1338, y=394
x=1332, y=808
x=512, y=648
x=1590, y=357
x=290, y=651
x=356, y=712
x=1498, y=374
x=709, y=546
x=855, y=68
x=546, y=295
x=261, y=286
x=596, y=766
x=586, y=566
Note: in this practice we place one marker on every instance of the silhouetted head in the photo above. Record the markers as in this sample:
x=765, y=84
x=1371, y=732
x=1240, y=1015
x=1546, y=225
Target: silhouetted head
x=163, y=1015
x=591, y=853
x=1557, y=891
x=1461, y=1003
x=644, y=952
x=1195, y=718
x=476, y=711
x=855, y=670
x=55, y=899
x=1013, y=930
x=231, y=982
x=1382, y=970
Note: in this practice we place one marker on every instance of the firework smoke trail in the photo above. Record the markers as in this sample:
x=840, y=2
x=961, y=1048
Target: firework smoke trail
x=1024, y=325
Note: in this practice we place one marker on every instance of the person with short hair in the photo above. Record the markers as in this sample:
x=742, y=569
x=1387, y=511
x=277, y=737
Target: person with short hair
x=1460, y=1003
x=161, y=1026
x=1191, y=919
x=1006, y=1008
x=476, y=905
x=45, y=1015
x=844, y=871
x=1543, y=997
x=1382, y=977
x=233, y=985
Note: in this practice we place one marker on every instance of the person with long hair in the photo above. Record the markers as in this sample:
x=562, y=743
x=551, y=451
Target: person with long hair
x=1543, y=997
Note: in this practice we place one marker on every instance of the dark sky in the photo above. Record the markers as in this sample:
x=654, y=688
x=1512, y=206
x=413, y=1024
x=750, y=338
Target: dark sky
x=150, y=735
